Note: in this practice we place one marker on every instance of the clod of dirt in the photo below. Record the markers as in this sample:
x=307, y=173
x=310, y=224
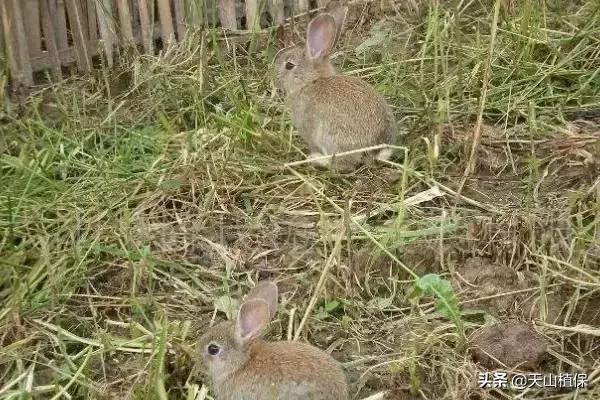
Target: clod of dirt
x=548, y=308
x=422, y=257
x=509, y=345
x=480, y=270
x=399, y=389
x=480, y=278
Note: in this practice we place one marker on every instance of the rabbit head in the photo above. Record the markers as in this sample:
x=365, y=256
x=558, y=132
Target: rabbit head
x=298, y=65
x=224, y=347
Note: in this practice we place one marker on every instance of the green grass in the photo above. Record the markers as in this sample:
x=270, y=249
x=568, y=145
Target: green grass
x=132, y=200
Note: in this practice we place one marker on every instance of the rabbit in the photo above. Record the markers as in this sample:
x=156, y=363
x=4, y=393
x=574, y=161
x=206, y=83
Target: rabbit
x=332, y=113
x=243, y=366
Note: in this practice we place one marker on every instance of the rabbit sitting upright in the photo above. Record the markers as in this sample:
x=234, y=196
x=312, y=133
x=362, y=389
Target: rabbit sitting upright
x=243, y=366
x=333, y=113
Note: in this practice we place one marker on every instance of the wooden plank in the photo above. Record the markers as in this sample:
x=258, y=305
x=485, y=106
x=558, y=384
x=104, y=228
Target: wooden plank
x=227, y=14
x=252, y=16
x=92, y=21
x=107, y=29
x=31, y=15
x=166, y=22
x=11, y=46
x=79, y=38
x=57, y=10
x=26, y=73
x=50, y=39
x=126, y=24
x=147, y=26
x=179, y=6
x=278, y=11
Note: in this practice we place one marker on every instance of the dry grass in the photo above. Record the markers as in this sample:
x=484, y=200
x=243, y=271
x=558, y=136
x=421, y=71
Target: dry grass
x=136, y=203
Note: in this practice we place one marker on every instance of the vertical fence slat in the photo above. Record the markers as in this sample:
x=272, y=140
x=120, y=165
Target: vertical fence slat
x=146, y=25
x=194, y=13
x=31, y=15
x=57, y=10
x=50, y=38
x=227, y=14
x=85, y=27
x=179, y=6
x=79, y=37
x=106, y=25
x=22, y=45
x=92, y=21
x=278, y=11
x=2, y=42
x=9, y=34
x=135, y=19
x=29, y=23
x=303, y=6
x=126, y=26
x=166, y=22
x=252, y=17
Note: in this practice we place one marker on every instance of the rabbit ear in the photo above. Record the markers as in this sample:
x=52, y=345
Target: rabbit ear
x=253, y=316
x=320, y=36
x=268, y=292
x=339, y=13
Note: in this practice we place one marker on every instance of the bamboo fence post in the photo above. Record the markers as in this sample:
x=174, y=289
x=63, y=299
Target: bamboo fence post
x=252, y=16
x=179, y=6
x=79, y=38
x=2, y=42
x=57, y=11
x=11, y=51
x=126, y=27
x=107, y=31
x=24, y=59
x=303, y=6
x=92, y=20
x=146, y=26
x=31, y=15
x=166, y=23
x=50, y=38
x=227, y=14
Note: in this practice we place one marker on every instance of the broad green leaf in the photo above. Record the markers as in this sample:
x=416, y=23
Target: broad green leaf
x=446, y=302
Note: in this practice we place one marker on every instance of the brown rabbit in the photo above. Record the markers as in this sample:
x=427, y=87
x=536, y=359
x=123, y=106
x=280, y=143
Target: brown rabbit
x=243, y=366
x=333, y=113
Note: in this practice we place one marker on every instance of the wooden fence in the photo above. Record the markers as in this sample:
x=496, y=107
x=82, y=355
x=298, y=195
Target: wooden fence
x=49, y=35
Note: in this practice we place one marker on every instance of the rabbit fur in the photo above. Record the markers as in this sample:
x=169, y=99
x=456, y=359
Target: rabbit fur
x=333, y=113
x=243, y=366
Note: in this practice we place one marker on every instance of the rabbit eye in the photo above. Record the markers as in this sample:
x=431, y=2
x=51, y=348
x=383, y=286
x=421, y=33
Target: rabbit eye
x=213, y=349
x=289, y=65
